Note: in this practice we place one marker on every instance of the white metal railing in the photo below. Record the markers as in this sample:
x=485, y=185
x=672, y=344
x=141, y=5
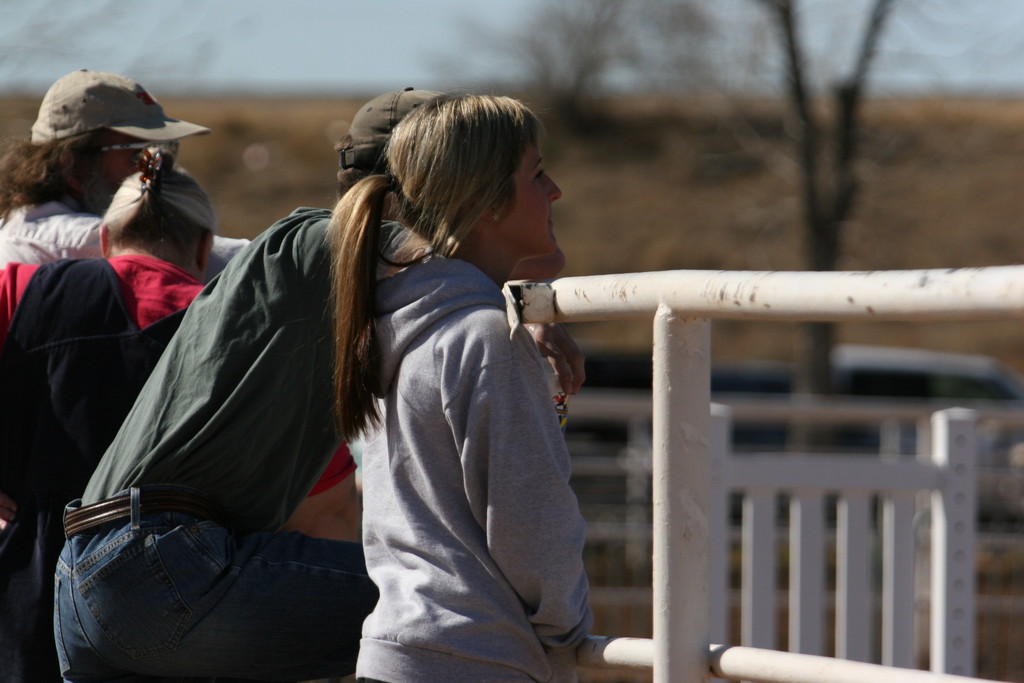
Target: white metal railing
x=891, y=475
x=682, y=304
x=757, y=664
x=948, y=474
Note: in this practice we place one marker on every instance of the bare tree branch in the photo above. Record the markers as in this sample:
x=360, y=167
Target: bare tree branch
x=827, y=205
x=848, y=98
x=569, y=47
x=800, y=100
x=42, y=34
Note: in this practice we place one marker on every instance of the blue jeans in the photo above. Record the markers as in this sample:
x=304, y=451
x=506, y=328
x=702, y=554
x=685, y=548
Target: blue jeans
x=172, y=596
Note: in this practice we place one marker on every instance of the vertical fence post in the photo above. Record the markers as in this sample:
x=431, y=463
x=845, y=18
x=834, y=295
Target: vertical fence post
x=681, y=473
x=853, y=576
x=898, y=599
x=953, y=519
x=807, y=571
x=719, y=524
x=759, y=611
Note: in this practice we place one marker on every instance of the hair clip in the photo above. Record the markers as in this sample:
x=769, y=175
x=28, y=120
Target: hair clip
x=150, y=164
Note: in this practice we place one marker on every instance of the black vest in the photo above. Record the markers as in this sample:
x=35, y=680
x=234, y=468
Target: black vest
x=70, y=369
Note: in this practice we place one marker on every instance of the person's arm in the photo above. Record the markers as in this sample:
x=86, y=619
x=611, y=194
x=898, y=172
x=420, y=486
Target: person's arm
x=13, y=280
x=553, y=341
x=517, y=474
x=560, y=350
x=55, y=235
x=224, y=249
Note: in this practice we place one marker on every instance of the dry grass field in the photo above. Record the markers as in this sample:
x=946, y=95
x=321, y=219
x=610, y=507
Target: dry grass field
x=667, y=184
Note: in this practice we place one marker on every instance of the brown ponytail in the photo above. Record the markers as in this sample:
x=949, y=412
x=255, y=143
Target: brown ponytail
x=355, y=237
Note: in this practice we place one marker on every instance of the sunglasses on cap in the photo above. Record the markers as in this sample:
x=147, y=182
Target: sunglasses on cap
x=168, y=147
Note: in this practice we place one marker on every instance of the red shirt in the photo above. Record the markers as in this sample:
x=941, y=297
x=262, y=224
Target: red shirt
x=341, y=465
x=152, y=288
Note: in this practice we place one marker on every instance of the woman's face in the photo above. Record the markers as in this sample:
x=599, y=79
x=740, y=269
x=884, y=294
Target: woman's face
x=526, y=225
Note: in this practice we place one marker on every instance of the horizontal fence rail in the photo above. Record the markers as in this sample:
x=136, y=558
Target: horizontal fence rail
x=613, y=403
x=880, y=295
x=757, y=664
x=682, y=304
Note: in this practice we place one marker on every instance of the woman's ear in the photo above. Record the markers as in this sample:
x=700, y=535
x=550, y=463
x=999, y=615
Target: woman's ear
x=203, y=252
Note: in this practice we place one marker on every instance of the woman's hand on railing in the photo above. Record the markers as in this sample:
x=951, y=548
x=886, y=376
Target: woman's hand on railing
x=558, y=346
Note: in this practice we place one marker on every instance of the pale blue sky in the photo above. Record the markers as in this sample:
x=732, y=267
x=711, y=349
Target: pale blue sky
x=365, y=46
x=297, y=45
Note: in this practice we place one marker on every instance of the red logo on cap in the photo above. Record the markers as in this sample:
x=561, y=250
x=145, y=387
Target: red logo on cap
x=144, y=96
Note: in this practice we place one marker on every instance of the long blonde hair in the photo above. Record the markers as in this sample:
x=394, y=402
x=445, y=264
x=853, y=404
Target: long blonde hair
x=451, y=161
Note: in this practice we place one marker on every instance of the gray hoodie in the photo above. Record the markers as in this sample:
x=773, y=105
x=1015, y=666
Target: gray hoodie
x=471, y=531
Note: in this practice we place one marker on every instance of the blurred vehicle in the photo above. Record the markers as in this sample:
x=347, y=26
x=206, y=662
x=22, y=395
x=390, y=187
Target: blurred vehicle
x=912, y=382
x=917, y=373
x=858, y=370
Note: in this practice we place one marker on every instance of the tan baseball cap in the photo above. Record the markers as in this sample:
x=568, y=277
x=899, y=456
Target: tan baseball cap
x=86, y=100
x=373, y=123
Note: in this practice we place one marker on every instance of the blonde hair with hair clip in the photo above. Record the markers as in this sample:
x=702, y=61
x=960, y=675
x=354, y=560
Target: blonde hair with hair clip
x=453, y=159
x=162, y=211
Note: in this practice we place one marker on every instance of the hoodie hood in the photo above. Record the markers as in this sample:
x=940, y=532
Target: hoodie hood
x=414, y=300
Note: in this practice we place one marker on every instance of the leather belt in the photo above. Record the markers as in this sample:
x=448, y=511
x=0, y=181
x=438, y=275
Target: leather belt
x=120, y=507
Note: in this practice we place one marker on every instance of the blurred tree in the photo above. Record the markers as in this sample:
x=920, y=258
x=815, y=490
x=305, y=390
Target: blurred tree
x=829, y=183
x=567, y=50
x=678, y=46
x=568, y=54
x=571, y=51
x=41, y=40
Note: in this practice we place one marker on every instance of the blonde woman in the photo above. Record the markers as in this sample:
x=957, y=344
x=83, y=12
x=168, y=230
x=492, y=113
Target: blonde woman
x=471, y=532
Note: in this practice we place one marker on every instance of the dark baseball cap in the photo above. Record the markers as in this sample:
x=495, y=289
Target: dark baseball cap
x=373, y=124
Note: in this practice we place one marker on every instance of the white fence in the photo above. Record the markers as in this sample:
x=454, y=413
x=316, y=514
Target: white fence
x=897, y=608
x=949, y=475
x=682, y=304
